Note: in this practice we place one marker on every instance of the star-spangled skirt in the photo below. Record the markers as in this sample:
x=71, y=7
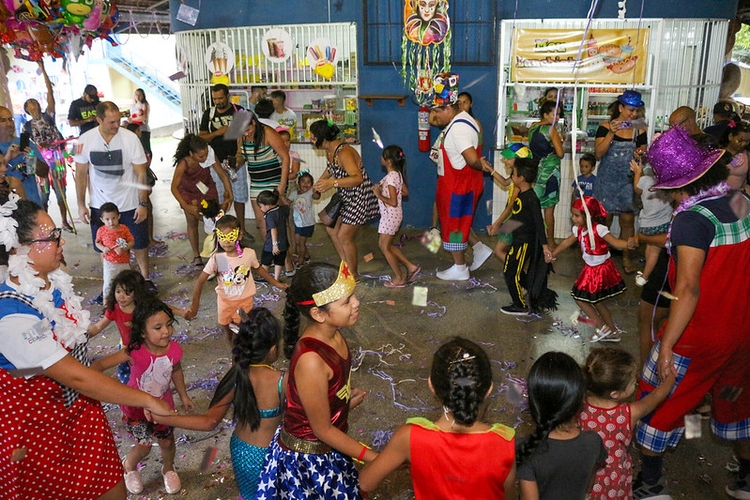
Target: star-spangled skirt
x=289, y=474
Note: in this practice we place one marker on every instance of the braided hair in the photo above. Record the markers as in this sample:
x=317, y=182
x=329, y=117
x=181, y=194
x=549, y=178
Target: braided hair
x=461, y=375
x=312, y=278
x=556, y=388
x=259, y=332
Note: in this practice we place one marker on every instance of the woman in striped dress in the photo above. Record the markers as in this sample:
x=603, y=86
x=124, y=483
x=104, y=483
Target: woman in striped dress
x=266, y=156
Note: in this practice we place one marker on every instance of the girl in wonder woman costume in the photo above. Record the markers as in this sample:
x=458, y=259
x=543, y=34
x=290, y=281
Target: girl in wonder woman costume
x=311, y=454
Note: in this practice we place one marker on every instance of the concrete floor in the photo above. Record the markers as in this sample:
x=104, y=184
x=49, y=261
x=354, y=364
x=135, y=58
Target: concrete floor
x=393, y=343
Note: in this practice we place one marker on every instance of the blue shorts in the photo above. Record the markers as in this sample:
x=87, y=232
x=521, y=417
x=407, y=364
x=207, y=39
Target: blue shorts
x=139, y=231
x=305, y=231
x=240, y=189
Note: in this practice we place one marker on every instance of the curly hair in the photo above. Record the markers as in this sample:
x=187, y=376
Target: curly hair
x=259, y=332
x=143, y=311
x=556, y=388
x=132, y=283
x=312, y=278
x=461, y=375
x=608, y=369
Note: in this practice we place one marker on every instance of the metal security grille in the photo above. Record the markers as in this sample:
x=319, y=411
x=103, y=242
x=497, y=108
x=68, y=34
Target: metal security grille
x=472, y=22
x=251, y=66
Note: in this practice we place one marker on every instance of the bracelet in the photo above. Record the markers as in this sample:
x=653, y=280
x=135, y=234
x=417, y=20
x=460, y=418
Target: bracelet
x=362, y=453
x=275, y=243
x=336, y=183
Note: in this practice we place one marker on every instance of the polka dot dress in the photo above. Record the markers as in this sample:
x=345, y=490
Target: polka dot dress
x=615, y=479
x=49, y=450
x=390, y=217
x=360, y=203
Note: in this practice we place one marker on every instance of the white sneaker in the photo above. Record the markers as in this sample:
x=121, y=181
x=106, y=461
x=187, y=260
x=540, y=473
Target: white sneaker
x=481, y=253
x=454, y=273
x=639, y=279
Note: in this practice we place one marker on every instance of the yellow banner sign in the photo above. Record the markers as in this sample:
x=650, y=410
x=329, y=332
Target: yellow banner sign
x=606, y=55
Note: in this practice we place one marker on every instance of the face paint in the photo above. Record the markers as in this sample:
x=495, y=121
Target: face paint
x=229, y=237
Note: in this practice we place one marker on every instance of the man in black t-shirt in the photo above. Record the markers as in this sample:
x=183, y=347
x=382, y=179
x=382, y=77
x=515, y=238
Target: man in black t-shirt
x=214, y=125
x=82, y=112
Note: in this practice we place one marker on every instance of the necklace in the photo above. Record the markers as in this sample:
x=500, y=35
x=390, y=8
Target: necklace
x=712, y=193
x=263, y=365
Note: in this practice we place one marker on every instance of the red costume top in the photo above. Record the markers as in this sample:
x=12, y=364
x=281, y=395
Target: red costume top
x=458, y=466
x=296, y=422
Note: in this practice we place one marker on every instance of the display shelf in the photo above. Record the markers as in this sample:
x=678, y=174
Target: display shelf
x=370, y=98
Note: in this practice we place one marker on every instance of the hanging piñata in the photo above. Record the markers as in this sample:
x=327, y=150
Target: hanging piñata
x=425, y=46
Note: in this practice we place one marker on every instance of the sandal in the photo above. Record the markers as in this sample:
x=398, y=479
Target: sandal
x=67, y=228
x=197, y=261
x=411, y=277
x=602, y=333
x=391, y=284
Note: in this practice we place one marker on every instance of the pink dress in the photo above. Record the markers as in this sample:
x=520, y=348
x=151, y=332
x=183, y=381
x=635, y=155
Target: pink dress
x=390, y=217
x=615, y=479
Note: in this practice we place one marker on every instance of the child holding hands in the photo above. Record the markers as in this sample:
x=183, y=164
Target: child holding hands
x=114, y=240
x=311, y=455
x=155, y=362
x=256, y=391
x=461, y=379
x=599, y=280
x=235, y=287
x=611, y=376
x=304, y=217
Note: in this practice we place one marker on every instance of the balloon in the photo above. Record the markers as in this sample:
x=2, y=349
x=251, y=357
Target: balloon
x=78, y=7
x=92, y=22
x=42, y=36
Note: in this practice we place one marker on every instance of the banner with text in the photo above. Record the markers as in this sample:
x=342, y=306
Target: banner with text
x=607, y=56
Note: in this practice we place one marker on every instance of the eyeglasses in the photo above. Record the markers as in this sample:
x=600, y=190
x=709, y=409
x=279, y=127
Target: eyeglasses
x=54, y=236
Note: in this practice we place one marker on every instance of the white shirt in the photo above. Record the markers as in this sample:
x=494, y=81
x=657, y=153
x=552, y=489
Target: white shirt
x=459, y=137
x=111, y=174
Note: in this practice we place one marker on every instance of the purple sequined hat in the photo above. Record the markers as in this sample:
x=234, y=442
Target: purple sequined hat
x=677, y=160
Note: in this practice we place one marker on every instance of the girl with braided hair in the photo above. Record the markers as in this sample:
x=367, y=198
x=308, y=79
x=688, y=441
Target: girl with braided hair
x=558, y=460
x=311, y=455
x=449, y=457
x=255, y=389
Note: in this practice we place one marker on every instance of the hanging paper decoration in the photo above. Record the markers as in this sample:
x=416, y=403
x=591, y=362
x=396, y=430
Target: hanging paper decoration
x=425, y=46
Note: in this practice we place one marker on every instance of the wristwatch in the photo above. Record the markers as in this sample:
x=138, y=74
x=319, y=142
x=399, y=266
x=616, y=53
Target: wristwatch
x=143, y=204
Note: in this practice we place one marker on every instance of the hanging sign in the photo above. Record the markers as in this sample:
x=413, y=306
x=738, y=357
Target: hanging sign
x=219, y=59
x=618, y=56
x=426, y=45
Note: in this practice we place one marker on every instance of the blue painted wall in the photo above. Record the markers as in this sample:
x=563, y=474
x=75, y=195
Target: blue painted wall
x=399, y=124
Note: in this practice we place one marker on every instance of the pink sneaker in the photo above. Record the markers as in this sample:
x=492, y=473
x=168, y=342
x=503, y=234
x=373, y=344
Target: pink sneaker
x=133, y=481
x=171, y=482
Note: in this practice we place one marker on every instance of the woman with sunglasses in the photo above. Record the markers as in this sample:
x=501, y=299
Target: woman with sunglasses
x=56, y=438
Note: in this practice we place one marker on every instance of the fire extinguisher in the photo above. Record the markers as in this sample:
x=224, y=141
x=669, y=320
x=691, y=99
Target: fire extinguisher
x=423, y=128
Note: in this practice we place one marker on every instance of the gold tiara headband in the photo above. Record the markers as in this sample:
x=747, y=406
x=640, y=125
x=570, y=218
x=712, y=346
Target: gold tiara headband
x=343, y=286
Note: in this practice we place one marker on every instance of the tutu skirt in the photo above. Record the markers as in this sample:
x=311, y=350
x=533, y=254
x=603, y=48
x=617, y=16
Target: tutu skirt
x=596, y=283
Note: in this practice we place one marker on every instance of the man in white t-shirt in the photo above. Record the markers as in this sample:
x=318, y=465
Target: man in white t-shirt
x=460, y=178
x=281, y=114
x=111, y=167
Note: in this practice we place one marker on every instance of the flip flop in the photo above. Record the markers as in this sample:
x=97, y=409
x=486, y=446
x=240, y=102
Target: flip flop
x=67, y=228
x=391, y=284
x=410, y=277
x=197, y=261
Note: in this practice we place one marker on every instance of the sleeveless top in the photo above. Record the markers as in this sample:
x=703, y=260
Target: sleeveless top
x=188, y=187
x=275, y=412
x=459, y=466
x=540, y=142
x=296, y=422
